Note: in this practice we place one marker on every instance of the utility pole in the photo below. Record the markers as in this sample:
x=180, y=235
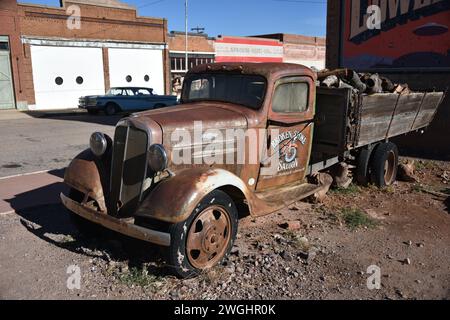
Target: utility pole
x=186, y=29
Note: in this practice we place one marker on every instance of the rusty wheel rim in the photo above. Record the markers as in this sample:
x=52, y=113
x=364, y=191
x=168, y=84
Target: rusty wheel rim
x=208, y=237
x=389, y=168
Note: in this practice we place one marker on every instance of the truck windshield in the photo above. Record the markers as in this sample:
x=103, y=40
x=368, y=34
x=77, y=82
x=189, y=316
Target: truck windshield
x=246, y=90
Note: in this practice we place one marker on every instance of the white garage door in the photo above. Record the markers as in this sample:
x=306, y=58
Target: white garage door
x=137, y=68
x=63, y=74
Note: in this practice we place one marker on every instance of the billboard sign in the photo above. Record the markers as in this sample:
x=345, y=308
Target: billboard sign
x=397, y=35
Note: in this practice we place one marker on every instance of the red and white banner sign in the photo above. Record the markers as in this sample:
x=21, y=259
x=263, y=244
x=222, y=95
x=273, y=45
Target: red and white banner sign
x=240, y=49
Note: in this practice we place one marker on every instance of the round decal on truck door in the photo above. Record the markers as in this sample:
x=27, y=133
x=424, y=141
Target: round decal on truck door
x=286, y=143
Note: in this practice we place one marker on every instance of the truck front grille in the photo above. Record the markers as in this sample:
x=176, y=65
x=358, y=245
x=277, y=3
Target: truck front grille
x=128, y=170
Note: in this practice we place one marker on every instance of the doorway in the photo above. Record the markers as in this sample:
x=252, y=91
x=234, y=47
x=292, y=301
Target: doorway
x=6, y=81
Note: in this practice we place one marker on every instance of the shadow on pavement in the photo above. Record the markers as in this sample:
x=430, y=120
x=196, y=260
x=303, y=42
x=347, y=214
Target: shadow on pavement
x=57, y=172
x=53, y=224
x=80, y=116
x=32, y=194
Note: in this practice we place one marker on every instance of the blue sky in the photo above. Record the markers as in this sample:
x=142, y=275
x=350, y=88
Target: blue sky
x=235, y=17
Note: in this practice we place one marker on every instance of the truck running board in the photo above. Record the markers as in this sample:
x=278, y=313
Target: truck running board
x=287, y=195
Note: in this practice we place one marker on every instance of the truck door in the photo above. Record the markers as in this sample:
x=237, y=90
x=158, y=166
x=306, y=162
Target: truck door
x=289, y=132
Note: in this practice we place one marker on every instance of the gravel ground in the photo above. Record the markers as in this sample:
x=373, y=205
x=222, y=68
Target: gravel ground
x=307, y=251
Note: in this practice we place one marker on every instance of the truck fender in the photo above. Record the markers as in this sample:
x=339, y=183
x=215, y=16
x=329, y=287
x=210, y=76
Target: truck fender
x=174, y=199
x=83, y=174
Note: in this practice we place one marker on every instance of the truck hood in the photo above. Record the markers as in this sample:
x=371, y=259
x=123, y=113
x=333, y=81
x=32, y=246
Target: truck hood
x=211, y=116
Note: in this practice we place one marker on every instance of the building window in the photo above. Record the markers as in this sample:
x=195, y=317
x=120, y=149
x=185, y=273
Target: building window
x=178, y=61
x=181, y=64
x=146, y=78
x=59, y=81
x=129, y=78
x=4, y=46
x=79, y=80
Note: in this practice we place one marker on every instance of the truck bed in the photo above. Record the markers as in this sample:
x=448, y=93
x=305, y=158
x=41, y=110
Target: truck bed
x=346, y=120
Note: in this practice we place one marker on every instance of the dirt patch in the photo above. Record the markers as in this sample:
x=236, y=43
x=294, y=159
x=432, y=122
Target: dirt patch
x=326, y=254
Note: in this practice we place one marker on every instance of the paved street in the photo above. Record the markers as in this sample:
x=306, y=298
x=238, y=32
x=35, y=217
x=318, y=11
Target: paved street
x=30, y=143
x=36, y=148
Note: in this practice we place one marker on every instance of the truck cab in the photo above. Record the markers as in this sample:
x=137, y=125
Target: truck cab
x=273, y=103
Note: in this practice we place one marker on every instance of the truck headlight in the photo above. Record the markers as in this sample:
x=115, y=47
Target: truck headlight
x=157, y=157
x=98, y=144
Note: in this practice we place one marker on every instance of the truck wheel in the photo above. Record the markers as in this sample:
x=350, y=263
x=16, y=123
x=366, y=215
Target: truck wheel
x=362, y=166
x=205, y=238
x=111, y=109
x=384, y=164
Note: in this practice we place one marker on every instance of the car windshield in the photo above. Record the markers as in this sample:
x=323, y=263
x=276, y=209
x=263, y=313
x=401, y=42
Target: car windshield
x=246, y=90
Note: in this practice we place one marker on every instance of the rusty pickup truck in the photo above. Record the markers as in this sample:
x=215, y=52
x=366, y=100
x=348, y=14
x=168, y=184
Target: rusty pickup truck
x=246, y=139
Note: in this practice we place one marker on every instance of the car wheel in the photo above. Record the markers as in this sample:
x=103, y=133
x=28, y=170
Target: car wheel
x=111, y=109
x=205, y=238
x=384, y=164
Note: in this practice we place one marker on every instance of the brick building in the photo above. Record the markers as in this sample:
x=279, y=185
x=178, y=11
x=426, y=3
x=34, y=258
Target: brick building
x=309, y=51
x=58, y=54
x=277, y=47
x=12, y=90
x=200, y=51
x=306, y=50
x=248, y=49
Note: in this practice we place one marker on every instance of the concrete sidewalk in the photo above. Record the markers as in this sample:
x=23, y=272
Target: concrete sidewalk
x=30, y=190
x=14, y=114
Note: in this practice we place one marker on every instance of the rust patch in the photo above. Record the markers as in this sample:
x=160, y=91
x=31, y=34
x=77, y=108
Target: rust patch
x=121, y=226
x=83, y=176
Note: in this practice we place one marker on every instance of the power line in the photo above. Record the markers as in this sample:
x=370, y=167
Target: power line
x=150, y=4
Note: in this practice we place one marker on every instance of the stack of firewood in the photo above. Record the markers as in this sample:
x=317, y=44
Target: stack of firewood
x=368, y=83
